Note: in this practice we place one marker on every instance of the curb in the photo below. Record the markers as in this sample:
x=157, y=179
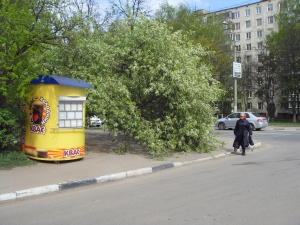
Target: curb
x=103, y=179
x=282, y=128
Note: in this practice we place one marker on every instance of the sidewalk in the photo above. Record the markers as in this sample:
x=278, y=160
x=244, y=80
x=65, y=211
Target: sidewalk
x=96, y=167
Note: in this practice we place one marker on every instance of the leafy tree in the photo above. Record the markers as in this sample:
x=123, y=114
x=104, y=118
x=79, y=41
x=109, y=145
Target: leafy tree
x=245, y=86
x=265, y=84
x=27, y=28
x=285, y=49
x=152, y=85
x=211, y=34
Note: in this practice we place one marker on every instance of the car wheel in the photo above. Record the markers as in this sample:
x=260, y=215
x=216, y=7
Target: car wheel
x=221, y=126
x=252, y=126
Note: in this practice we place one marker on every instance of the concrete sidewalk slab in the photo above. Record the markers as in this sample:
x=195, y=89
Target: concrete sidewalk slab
x=96, y=167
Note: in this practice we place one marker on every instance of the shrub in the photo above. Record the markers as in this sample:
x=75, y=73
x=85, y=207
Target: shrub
x=11, y=124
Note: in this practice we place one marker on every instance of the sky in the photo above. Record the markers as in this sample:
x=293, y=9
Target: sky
x=209, y=5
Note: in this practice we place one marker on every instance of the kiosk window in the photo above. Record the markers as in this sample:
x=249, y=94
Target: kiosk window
x=70, y=112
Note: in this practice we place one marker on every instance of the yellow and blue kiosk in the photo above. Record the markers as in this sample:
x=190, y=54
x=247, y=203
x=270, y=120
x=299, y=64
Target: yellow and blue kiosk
x=55, y=119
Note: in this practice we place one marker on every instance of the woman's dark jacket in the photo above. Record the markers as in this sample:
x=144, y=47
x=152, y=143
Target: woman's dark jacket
x=242, y=131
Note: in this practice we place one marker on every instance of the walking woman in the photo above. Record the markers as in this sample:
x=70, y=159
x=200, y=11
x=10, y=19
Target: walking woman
x=242, y=131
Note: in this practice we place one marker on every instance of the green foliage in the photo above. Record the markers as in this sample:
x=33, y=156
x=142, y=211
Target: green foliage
x=27, y=29
x=211, y=35
x=11, y=159
x=284, y=49
x=11, y=121
x=153, y=86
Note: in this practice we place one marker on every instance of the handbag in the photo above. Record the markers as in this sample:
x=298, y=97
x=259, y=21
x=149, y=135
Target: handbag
x=250, y=140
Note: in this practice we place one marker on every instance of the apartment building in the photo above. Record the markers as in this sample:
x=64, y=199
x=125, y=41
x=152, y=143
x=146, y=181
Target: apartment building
x=249, y=25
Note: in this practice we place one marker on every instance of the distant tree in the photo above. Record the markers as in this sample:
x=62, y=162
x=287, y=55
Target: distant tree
x=284, y=46
x=245, y=84
x=265, y=83
x=211, y=34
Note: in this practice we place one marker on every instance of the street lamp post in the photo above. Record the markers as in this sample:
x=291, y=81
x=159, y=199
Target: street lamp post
x=235, y=80
x=236, y=69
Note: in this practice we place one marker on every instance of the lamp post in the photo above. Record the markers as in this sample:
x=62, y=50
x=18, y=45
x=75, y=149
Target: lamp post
x=234, y=78
x=236, y=69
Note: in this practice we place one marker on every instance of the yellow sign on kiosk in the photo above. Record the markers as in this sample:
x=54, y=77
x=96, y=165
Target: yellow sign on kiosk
x=55, y=119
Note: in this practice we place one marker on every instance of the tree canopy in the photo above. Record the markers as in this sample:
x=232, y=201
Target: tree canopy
x=153, y=84
x=284, y=49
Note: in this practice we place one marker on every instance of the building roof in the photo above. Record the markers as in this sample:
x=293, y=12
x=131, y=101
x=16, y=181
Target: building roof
x=229, y=7
x=65, y=81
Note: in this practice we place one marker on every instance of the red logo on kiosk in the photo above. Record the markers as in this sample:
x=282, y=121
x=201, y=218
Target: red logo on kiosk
x=71, y=152
x=40, y=113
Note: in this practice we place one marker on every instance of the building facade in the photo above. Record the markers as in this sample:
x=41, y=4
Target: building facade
x=247, y=27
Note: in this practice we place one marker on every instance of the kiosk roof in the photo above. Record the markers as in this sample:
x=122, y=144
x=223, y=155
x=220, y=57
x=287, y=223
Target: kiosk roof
x=65, y=81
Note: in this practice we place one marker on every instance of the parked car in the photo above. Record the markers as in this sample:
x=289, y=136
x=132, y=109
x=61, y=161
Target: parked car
x=256, y=121
x=95, y=121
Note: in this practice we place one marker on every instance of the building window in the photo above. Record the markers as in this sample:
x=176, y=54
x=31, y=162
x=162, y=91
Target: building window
x=258, y=10
x=237, y=26
x=249, y=105
x=248, y=58
x=238, y=48
x=270, y=8
x=239, y=105
x=249, y=94
x=259, y=58
x=291, y=106
x=284, y=105
x=258, y=22
x=248, y=35
x=259, y=33
x=284, y=93
x=249, y=83
x=260, y=105
x=237, y=37
x=248, y=47
x=249, y=71
x=238, y=59
x=270, y=20
x=70, y=112
x=248, y=23
x=247, y=11
x=271, y=93
x=236, y=15
x=259, y=45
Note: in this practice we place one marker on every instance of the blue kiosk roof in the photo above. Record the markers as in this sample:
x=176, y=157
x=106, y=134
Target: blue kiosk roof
x=65, y=81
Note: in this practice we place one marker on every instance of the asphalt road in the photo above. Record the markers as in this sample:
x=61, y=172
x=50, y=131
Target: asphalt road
x=260, y=188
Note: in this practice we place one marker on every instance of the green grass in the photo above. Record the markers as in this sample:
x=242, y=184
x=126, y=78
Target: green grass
x=284, y=123
x=11, y=159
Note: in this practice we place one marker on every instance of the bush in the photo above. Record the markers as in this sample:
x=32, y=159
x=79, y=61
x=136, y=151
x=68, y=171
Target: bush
x=11, y=124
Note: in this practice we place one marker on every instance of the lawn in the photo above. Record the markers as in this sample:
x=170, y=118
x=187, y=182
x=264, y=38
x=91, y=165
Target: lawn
x=284, y=123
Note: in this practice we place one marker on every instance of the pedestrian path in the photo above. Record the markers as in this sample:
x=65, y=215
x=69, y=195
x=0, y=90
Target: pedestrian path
x=96, y=168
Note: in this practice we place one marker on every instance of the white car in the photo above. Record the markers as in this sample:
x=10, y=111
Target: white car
x=256, y=121
x=95, y=121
